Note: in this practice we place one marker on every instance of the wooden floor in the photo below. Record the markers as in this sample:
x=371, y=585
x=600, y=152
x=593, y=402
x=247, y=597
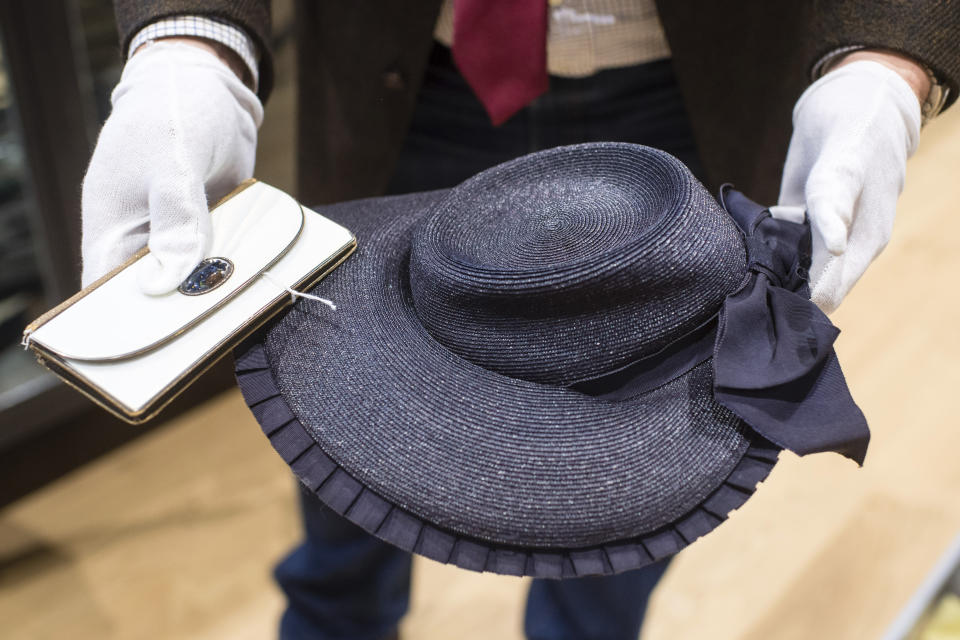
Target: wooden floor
x=174, y=535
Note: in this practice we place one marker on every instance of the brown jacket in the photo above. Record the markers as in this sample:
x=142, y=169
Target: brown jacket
x=741, y=66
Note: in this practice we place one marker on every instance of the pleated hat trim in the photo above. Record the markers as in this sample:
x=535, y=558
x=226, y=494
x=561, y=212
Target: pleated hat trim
x=344, y=494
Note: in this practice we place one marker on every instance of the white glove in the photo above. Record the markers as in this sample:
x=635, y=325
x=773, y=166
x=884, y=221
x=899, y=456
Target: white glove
x=853, y=130
x=182, y=133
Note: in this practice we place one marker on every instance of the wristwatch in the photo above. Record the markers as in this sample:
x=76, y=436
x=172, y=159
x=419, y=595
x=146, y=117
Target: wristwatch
x=936, y=99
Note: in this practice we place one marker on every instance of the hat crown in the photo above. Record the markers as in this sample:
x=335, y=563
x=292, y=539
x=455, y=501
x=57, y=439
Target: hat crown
x=570, y=263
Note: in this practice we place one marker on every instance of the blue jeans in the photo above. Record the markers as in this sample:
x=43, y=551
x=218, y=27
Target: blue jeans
x=342, y=583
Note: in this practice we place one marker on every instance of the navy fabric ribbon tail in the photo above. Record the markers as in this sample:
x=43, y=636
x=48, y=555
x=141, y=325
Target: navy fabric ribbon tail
x=774, y=362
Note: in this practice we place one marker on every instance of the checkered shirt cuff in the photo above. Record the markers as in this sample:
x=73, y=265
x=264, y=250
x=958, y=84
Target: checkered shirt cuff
x=226, y=33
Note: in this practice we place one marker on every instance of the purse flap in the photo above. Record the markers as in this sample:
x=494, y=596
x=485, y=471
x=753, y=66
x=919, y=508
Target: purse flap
x=113, y=319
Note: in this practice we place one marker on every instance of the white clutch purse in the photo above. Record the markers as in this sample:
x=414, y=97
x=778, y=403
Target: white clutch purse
x=132, y=353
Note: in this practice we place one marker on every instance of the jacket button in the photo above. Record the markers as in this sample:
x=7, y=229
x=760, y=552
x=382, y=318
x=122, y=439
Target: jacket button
x=393, y=80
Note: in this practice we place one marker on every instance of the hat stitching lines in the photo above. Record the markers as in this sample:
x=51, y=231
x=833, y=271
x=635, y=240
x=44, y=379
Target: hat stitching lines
x=621, y=555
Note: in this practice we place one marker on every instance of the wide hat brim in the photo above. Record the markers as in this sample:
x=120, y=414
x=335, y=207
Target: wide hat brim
x=445, y=458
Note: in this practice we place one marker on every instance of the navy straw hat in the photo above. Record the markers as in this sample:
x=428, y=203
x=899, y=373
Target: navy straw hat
x=574, y=363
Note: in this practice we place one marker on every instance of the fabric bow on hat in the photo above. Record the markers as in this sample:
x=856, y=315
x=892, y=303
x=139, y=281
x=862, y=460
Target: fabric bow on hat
x=774, y=362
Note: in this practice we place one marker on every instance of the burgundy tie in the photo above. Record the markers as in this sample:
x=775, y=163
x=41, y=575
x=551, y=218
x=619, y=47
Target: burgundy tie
x=500, y=47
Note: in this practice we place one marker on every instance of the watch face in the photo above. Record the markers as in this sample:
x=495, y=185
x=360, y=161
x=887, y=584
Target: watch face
x=936, y=98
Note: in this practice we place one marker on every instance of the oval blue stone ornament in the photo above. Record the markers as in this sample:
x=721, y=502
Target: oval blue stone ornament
x=207, y=276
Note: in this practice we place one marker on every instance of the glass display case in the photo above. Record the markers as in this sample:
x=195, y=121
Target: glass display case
x=58, y=63
x=21, y=284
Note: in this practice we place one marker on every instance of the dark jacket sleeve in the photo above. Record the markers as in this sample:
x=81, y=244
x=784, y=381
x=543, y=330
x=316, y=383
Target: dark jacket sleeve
x=252, y=15
x=927, y=31
x=742, y=64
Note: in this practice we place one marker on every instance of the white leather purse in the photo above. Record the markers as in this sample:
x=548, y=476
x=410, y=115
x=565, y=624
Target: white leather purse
x=132, y=353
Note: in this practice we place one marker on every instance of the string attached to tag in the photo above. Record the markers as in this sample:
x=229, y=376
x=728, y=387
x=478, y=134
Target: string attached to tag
x=25, y=341
x=294, y=294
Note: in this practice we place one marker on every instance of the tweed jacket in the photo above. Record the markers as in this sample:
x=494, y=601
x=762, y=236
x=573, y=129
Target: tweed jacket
x=740, y=66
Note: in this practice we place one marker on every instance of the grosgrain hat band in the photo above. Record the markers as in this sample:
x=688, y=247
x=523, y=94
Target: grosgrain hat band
x=772, y=348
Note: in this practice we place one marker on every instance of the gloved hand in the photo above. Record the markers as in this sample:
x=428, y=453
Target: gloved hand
x=853, y=130
x=182, y=133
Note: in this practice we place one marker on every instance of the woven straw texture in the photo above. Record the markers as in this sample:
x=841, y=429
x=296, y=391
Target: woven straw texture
x=340, y=491
x=569, y=263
